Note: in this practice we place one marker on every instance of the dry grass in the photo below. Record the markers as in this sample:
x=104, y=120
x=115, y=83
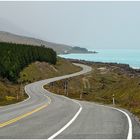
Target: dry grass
x=12, y=93
x=103, y=84
x=42, y=70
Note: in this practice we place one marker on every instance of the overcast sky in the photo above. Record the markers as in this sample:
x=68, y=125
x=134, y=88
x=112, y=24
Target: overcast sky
x=92, y=25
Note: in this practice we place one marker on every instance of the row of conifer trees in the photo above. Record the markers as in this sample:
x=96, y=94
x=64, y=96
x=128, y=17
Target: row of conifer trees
x=14, y=57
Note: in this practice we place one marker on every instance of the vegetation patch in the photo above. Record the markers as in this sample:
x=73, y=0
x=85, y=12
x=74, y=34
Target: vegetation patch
x=42, y=70
x=101, y=84
x=11, y=93
x=14, y=57
x=14, y=92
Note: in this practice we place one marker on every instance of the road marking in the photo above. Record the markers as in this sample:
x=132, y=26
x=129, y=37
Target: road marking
x=129, y=136
x=69, y=123
x=29, y=113
x=48, y=98
x=25, y=115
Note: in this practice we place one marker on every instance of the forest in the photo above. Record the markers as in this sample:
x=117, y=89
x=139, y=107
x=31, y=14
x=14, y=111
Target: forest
x=14, y=57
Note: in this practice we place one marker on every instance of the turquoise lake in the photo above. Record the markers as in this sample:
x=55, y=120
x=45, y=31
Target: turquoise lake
x=127, y=56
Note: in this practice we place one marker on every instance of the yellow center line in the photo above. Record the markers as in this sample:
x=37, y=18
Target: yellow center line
x=24, y=115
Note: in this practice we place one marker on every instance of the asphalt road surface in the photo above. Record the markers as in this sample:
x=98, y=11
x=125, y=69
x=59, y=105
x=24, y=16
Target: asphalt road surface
x=46, y=115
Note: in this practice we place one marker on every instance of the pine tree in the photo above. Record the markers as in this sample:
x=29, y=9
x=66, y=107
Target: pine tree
x=14, y=57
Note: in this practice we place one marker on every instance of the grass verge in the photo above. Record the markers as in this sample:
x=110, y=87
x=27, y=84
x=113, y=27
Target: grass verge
x=104, y=82
x=11, y=93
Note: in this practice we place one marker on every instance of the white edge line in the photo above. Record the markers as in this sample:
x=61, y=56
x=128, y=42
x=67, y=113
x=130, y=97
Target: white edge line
x=30, y=96
x=129, y=136
x=71, y=121
x=43, y=86
x=68, y=124
x=74, y=117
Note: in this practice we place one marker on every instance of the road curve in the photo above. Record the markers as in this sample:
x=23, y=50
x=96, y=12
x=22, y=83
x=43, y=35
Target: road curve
x=46, y=115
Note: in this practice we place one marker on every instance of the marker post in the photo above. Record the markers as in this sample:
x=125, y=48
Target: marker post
x=113, y=99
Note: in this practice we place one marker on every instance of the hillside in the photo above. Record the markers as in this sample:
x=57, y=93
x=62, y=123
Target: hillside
x=59, y=48
x=14, y=57
x=102, y=83
x=42, y=70
x=12, y=93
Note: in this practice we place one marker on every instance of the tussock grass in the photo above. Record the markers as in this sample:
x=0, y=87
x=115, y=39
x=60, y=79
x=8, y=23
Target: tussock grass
x=42, y=70
x=12, y=93
x=103, y=84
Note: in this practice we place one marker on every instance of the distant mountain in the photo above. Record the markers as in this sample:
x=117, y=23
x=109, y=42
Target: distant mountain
x=59, y=48
x=77, y=49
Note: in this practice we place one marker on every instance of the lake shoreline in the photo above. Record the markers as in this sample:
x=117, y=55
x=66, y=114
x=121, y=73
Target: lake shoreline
x=119, y=56
x=125, y=68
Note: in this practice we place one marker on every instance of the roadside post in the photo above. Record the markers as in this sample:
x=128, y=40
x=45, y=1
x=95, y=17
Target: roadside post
x=66, y=87
x=113, y=99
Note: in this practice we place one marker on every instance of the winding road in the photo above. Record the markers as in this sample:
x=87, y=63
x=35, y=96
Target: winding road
x=47, y=115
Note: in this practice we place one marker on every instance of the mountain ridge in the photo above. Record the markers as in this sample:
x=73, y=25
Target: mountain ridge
x=19, y=39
